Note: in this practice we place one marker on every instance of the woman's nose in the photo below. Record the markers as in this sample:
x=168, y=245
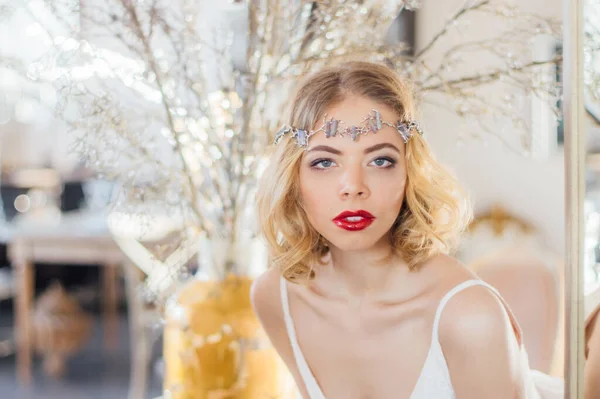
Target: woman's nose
x=353, y=183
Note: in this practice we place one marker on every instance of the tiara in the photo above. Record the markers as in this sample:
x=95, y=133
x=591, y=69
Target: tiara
x=334, y=127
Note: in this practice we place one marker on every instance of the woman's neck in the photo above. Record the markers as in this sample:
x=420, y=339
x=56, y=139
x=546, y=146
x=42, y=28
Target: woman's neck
x=358, y=276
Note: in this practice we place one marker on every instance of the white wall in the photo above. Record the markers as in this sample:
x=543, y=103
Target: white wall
x=30, y=136
x=532, y=189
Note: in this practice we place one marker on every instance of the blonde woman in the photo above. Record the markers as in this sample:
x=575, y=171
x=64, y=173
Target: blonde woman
x=361, y=299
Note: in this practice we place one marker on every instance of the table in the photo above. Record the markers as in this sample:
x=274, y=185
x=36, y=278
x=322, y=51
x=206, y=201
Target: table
x=75, y=239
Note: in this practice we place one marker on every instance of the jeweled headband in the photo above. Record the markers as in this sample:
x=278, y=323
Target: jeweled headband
x=334, y=127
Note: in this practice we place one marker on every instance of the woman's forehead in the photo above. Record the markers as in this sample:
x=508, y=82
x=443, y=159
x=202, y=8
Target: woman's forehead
x=345, y=143
x=359, y=112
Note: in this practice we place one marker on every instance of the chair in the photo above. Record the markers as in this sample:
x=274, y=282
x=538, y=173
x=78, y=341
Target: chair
x=7, y=291
x=143, y=318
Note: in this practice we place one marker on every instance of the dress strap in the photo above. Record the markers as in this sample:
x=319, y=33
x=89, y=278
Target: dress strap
x=465, y=285
x=312, y=387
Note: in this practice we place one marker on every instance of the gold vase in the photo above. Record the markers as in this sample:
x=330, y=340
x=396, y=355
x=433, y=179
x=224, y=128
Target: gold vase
x=214, y=346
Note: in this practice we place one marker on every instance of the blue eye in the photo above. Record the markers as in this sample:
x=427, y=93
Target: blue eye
x=384, y=163
x=322, y=164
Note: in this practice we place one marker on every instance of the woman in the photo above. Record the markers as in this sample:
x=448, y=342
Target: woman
x=362, y=300
x=591, y=375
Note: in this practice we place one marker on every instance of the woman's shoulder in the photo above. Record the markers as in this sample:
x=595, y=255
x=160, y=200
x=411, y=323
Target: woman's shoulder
x=475, y=314
x=265, y=296
x=444, y=272
x=471, y=313
x=479, y=340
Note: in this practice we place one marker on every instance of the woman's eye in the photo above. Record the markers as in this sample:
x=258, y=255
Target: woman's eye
x=384, y=162
x=322, y=164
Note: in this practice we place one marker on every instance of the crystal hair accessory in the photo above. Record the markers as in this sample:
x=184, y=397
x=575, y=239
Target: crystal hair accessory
x=334, y=127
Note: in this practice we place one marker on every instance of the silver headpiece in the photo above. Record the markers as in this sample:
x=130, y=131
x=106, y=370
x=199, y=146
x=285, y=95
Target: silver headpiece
x=334, y=127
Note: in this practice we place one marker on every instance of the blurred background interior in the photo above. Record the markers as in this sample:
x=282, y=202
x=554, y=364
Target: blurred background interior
x=73, y=324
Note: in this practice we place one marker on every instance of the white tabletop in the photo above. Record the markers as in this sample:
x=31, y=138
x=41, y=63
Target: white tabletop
x=71, y=225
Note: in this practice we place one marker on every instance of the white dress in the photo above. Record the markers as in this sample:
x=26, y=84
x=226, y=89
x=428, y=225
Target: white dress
x=434, y=381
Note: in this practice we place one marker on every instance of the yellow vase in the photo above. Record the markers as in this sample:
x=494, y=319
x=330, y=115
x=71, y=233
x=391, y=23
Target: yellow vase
x=214, y=346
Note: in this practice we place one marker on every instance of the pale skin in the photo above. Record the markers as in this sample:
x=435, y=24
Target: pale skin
x=365, y=328
x=592, y=363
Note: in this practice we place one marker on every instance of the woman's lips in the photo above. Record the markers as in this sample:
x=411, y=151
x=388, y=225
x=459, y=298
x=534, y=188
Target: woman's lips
x=354, y=220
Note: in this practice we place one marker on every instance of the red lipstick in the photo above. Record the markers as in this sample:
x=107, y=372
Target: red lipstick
x=354, y=220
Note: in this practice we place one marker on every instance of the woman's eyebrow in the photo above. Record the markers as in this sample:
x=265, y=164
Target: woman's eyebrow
x=325, y=148
x=380, y=146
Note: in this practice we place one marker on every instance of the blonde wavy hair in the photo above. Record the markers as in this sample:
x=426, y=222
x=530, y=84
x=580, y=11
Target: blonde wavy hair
x=435, y=210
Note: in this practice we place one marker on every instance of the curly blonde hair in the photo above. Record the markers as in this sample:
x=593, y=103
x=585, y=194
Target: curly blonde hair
x=435, y=210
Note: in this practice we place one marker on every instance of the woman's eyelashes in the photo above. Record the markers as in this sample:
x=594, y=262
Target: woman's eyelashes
x=322, y=163
x=384, y=162
x=379, y=162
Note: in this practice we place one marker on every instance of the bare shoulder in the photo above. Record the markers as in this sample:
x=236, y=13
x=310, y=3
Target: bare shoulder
x=448, y=269
x=480, y=343
x=265, y=297
x=472, y=314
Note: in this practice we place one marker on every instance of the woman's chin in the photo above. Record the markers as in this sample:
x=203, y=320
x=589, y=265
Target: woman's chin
x=359, y=242
x=353, y=245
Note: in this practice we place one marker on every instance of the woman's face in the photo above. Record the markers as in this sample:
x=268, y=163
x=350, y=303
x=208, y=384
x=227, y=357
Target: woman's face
x=365, y=179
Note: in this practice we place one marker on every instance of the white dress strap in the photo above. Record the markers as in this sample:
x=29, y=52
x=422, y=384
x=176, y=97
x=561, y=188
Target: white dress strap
x=467, y=284
x=312, y=387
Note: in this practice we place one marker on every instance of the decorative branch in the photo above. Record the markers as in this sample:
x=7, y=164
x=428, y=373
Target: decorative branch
x=478, y=80
x=462, y=12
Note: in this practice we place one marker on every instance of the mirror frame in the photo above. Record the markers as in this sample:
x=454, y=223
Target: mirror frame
x=573, y=107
